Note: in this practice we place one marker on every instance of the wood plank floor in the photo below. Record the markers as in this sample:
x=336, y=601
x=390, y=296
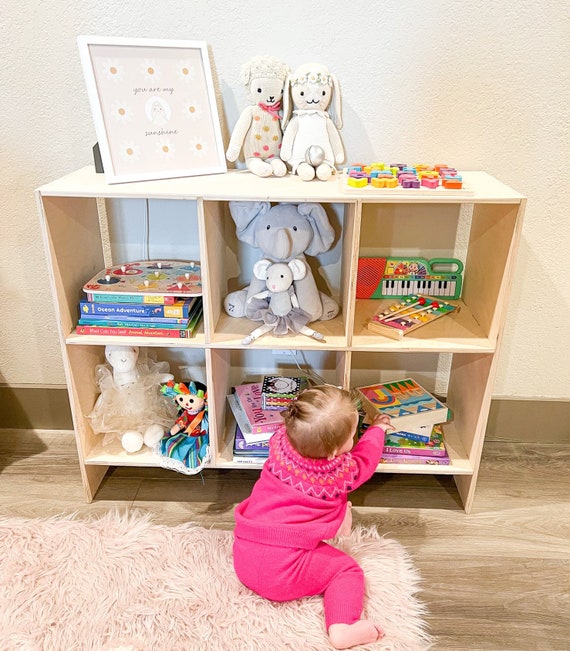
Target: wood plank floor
x=497, y=579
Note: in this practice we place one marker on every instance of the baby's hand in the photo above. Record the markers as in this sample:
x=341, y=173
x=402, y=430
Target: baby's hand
x=383, y=421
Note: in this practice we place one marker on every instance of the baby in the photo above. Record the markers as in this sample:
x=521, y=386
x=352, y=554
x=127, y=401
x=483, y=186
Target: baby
x=300, y=500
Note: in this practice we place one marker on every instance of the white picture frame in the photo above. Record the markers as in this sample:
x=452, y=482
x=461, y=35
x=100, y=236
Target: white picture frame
x=154, y=107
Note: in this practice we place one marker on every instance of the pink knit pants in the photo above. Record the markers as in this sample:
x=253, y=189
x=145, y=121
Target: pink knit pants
x=284, y=574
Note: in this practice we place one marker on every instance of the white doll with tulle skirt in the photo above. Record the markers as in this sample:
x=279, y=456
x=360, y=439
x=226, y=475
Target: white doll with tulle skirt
x=258, y=129
x=131, y=408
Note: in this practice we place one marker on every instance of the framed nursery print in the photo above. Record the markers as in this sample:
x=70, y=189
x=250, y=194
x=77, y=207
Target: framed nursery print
x=154, y=107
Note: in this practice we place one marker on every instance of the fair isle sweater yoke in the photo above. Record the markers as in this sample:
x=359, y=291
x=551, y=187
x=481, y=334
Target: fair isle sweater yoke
x=298, y=502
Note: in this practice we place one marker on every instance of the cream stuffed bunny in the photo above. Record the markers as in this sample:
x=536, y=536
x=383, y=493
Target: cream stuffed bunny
x=258, y=129
x=311, y=139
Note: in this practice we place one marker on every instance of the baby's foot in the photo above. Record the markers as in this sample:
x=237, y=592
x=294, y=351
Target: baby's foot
x=343, y=636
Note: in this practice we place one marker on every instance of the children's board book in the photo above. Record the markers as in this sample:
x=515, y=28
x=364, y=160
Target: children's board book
x=407, y=403
x=423, y=460
x=263, y=423
x=179, y=309
x=277, y=391
x=434, y=447
x=144, y=330
x=150, y=281
x=401, y=318
x=244, y=449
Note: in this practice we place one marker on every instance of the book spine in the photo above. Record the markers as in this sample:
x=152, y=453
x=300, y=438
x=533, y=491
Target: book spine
x=422, y=452
x=133, y=332
x=131, y=298
x=143, y=323
x=411, y=436
x=249, y=461
x=136, y=311
x=406, y=459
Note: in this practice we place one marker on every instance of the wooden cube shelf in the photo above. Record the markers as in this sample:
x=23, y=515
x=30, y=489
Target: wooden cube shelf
x=481, y=227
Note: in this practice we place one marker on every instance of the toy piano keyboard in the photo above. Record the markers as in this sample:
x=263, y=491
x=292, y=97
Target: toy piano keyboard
x=150, y=277
x=415, y=311
x=396, y=277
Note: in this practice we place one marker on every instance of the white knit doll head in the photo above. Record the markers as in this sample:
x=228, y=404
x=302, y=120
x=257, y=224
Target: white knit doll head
x=264, y=77
x=312, y=86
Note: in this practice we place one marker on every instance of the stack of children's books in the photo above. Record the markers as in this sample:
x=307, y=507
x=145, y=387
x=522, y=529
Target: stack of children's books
x=257, y=416
x=153, y=298
x=417, y=417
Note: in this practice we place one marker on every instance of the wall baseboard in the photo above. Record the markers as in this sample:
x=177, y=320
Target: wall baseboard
x=34, y=408
x=529, y=421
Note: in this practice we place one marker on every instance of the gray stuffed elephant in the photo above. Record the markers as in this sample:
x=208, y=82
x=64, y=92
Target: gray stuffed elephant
x=282, y=232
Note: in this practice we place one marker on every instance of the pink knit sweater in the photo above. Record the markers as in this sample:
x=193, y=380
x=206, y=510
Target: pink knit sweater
x=298, y=501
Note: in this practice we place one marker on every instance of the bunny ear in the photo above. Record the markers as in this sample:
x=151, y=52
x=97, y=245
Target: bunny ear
x=335, y=111
x=287, y=102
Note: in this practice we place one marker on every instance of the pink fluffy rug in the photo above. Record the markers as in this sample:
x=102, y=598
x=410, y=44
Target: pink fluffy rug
x=121, y=582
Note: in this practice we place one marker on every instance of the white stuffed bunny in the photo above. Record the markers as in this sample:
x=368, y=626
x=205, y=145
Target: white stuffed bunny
x=258, y=129
x=311, y=139
x=283, y=313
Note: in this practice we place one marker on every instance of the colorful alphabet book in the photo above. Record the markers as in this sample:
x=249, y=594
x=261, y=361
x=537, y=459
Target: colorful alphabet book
x=407, y=403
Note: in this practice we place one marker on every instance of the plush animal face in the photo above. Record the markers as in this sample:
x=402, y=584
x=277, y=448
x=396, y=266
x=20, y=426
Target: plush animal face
x=266, y=90
x=312, y=87
x=279, y=276
x=311, y=90
x=284, y=231
x=122, y=358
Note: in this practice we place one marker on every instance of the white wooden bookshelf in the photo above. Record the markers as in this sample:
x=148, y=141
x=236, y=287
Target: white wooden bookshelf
x=482, y=226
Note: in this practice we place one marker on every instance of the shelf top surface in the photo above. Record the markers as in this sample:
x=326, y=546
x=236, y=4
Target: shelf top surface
x=243, y=185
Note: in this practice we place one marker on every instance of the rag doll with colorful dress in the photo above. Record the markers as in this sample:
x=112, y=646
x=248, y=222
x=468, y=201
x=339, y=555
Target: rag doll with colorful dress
x=185, y=448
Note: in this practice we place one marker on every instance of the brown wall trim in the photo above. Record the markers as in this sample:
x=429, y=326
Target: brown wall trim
x=34, y=408
x=509, y=420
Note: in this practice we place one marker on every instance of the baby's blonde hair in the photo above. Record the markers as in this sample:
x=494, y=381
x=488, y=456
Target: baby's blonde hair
x=320, y=421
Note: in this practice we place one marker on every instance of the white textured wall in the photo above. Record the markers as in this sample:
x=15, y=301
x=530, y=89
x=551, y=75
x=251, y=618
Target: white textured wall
x=483, y=86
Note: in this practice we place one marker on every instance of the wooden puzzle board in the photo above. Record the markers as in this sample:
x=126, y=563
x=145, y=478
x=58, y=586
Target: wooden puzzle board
x=148, y=277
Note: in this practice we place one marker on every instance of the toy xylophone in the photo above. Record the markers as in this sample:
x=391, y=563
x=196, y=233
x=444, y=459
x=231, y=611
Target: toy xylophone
x=400, y=319
x=401, y=176
x=399, y=277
